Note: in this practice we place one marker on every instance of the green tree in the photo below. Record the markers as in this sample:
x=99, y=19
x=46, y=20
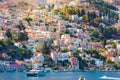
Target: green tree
x=95, y=35
x=97, y=21
x=67, y=31
x=83, y=12
x=76, y=9
x=79, y=27
x=54, y=30
x=2, y=45
x=114, y=45
x=8, y=33
x=101, y=28
x=22, y=36
x=50, y=7
x=85, y=18
x=65, y=9
x=28, y=19
x=55, y=12
x=23, y=4
x=41, y=6
x=46, y=48
x=65, y=50
x=70, y=11
x=109, y=32
x=77, y=53
x=13, y=32
x=40, y=21
x=79, y=14
x=104, y=42
x=20, y=26
x=24, y=53
x=94, y=53
x=8, y=42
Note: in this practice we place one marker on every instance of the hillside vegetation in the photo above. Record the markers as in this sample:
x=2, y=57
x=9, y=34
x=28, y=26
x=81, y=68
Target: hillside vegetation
x=32, y=2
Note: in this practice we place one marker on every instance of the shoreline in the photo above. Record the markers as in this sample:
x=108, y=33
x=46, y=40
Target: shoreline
x=57, y=71
x=91, y=71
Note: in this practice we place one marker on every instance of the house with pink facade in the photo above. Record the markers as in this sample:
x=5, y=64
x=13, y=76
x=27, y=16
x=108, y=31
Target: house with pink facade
x=74, y=63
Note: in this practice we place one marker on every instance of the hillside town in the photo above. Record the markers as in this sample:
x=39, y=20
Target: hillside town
x=64, y=35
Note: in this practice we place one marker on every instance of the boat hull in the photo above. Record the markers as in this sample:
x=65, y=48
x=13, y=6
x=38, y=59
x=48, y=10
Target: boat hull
x=36, y=74
x=31, y=75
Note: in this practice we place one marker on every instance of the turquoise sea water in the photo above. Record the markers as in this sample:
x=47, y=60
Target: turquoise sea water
x=61, y=76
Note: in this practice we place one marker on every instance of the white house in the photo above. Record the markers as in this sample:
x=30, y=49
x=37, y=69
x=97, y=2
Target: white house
x=98, y=63
x=56, y=56
x=117, y=59
x=64, y=56
x=39, y=59
x=75, y=17
x=18, y=44
x=72, y=30
x=73, y=3
x=2, y=66
x=97, y=12
x=36, y=12
x=30, y=44
x=76, y=43
x=65, y=36
x=118, y=46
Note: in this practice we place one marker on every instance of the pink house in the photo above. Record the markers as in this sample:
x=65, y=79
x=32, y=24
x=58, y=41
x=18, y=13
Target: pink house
x=74, y=63
x=15, y=66
x=109, y=53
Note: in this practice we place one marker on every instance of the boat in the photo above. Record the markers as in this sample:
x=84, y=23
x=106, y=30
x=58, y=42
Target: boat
x=82, y=77
x=35, y=73
x=104, y=77
x=109, y=78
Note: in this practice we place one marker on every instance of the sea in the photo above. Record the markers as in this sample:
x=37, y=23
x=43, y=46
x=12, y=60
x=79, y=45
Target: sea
x=62, y=76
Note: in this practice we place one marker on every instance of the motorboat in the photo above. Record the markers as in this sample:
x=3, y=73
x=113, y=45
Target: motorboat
x=104, y=77
x=109, y=78
x=35, y=73
x=82, y=77
x=37, y=69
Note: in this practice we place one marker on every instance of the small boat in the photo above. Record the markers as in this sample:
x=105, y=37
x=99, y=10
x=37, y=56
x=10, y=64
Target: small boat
x=37, y=69
x=104, y=77
x=82, y=77
x=109, y=78
x=35, y=73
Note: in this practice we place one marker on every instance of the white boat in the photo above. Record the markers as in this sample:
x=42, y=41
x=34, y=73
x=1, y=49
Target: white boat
x=109, y=78
x=104, y=77
x=82, y=77
x=35, y=73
